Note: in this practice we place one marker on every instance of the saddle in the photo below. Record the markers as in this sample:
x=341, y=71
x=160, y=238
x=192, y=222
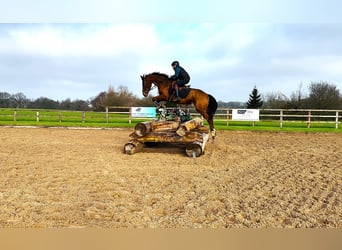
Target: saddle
x=182, y=91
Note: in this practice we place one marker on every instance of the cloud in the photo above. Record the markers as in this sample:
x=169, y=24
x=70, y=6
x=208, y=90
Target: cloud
x=62, y=61
x=41, y=58
x=89, y=11
x=64, y=40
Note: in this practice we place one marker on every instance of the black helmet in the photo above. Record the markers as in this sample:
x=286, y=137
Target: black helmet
x=175, y=63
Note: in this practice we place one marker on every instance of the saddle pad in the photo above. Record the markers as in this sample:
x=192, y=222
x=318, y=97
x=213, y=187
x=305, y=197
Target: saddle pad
x=184, y=92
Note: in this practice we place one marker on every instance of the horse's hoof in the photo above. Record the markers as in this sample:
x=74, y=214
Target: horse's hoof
x=213, y=133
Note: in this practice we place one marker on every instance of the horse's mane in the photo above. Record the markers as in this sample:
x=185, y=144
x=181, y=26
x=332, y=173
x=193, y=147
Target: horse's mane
x=160, y=74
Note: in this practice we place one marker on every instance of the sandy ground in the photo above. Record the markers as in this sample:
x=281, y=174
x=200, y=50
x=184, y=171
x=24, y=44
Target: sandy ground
x=62, y=178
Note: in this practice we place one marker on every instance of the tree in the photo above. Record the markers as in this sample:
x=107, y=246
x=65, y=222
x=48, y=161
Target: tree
x=255, y=100
x=144, y=102
x=80, y=105
x=275, y=100
x=20, y=100
x=5, y=100
x=111, y=98
x=67, y=104
x=323, y=96
x=97, y=102
x=297, y=99
x=233, y=105
x=120, y=97
x=125, y=97
x=43, y=103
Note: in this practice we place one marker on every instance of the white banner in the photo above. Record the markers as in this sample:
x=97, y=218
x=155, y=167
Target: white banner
x=245, y=114
x=143, y=112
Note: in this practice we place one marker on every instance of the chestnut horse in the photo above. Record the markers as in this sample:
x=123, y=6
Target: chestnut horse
x=204, y=103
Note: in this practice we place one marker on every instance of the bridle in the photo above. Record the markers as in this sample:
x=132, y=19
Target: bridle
x=153, y=86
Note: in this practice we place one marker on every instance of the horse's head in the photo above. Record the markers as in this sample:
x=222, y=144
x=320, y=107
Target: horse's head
x=146, y=85
x=156, y=78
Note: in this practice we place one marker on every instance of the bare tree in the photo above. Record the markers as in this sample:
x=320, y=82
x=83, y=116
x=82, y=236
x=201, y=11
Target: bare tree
x=275, y=100
x=323, y=96
x=20, y=100
x=297, y=98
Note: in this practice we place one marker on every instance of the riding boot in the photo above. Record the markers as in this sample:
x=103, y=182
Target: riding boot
x=177, y=95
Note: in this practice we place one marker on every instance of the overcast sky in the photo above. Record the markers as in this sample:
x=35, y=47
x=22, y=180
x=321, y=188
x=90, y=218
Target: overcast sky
x=76, y=49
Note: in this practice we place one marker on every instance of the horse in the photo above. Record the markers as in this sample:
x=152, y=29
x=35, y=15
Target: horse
x=204, y=103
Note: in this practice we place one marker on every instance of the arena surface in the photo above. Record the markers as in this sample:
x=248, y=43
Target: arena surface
x=68, y=178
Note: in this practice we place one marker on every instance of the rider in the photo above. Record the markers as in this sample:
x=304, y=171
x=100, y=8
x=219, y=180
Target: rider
x=181, y=78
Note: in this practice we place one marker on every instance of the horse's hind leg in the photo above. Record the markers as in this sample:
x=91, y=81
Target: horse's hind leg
x=211, y=124
x=212, y=128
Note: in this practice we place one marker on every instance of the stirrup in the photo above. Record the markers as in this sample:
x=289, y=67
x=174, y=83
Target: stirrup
x=174, y=98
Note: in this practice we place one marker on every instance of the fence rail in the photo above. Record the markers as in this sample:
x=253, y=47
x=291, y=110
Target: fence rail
x=308, y=116
x=122, y=114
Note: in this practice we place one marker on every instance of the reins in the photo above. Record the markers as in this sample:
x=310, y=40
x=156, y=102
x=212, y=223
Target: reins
x=155, y=85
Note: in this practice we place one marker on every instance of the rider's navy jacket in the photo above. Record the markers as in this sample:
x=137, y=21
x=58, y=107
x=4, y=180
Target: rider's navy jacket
x=180, y=74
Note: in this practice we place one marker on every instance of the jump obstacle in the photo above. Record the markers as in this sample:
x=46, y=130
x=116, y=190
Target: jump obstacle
x=173, y=126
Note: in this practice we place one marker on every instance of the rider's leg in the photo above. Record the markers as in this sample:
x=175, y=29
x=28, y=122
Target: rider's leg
x=177, y=93
x=176, y=85
x=173, y=93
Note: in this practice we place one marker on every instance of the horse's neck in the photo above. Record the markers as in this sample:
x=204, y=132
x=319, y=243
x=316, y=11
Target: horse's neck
x=163, y=83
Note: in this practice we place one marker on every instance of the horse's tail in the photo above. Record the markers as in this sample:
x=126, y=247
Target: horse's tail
x=212, y=107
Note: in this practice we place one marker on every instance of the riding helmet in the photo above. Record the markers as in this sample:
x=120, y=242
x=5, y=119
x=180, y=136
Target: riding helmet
x=175, y=63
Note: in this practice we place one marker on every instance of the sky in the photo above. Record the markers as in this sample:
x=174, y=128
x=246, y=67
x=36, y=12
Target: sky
x=77, y=49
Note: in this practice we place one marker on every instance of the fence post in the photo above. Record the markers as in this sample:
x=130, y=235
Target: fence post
x=15, y=116
x=107, y=118
x=309, y=118
x=336, y=126
x=129, y=116
x=281, y=118
x=37, y=116
x=83, y=116
x=227, y=117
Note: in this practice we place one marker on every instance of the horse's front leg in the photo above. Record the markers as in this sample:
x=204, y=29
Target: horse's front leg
x=158, y=98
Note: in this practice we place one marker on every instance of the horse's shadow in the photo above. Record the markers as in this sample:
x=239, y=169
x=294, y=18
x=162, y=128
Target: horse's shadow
x=168, y=148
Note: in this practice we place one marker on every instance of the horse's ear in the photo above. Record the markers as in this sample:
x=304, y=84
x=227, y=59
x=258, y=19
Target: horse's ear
x=142, y=78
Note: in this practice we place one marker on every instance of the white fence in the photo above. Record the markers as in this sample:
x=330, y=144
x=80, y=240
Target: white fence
x=281, y=116
x=308, y=116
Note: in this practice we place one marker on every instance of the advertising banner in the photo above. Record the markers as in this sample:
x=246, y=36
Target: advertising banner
x=143, y=112
x=245, y=114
